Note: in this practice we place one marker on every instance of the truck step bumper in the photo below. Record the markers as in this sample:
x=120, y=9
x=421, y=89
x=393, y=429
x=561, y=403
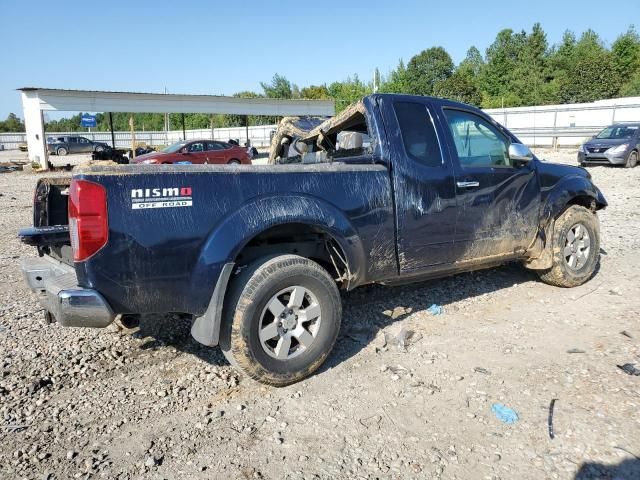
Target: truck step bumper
x=56, y=286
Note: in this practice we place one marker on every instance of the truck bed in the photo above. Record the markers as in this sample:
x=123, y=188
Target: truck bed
x=178, y=244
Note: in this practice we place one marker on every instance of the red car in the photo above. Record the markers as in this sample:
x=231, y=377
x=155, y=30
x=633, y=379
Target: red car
x=197, y=151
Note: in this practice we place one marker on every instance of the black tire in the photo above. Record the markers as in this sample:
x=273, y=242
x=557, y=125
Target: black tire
x=233, y=161
x=632, y=160
x=61, y=151
x=246, y=303
x=99, y=148
x=561, y=274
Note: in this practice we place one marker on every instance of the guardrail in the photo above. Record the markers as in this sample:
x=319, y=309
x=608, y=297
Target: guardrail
x=555, y=137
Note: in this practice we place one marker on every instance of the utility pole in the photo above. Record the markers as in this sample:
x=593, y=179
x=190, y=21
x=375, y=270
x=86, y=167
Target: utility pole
x=113, y=136
x=211, y=121
x=166, y=123
x=133, y=137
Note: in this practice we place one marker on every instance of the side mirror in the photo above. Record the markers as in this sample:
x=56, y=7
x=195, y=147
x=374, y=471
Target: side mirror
x=520, y=152
x=184, y=151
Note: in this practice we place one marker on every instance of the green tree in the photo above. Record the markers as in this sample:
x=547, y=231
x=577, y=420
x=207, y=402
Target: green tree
x=315, y=92
x=428, y=67
x=560, y=60
x=626, y=55
x=472, y=65
x=458, y=87
x=503, y=56
x=13, y=123
x=529, y=79
x=632, y=87
x=590, y=72
x=279, y=87
x=397, y=81
x=348, y=91
x=591, y=78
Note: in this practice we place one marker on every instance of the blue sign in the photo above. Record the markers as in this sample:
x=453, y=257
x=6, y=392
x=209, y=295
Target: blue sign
x=88, y=121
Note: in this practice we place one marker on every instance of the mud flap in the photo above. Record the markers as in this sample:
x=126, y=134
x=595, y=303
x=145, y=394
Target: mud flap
x=544, y=261
x=206, y=329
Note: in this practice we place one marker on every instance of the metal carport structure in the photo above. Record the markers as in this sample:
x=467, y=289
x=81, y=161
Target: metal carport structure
x=38, y=100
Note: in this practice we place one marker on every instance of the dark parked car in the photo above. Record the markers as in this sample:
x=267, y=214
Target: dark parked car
x=74, y=144
x=197, y=151
x=618, y=144
x=256, y=254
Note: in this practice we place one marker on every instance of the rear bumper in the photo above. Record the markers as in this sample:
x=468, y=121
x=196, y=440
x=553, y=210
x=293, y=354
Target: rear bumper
x=56, y=286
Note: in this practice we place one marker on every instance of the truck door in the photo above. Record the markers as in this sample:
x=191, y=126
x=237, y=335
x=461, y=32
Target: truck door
x=84, y=145
x=72, y=142
x=423, y=182
x=498, y=200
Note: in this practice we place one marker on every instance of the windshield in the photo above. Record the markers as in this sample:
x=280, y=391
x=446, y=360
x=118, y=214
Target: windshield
x=618, y=131
x=174, y=148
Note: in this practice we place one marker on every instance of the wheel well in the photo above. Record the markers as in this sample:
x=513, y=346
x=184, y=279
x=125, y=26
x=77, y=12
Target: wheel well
x=300, y=239
x=584, y=201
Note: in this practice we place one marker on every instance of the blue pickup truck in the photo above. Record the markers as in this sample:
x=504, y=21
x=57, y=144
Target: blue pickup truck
x=394, y=189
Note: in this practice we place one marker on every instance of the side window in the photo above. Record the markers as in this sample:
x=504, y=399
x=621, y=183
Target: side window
x=478, y=143
x=83, y=140
x=196, y=147
x=418, y=133
x=214, y=146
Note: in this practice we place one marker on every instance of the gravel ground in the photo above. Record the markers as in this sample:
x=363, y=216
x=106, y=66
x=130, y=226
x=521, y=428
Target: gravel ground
x=405, y=394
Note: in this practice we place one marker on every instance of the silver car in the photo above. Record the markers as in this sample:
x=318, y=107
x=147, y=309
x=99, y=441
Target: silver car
x=618, y=144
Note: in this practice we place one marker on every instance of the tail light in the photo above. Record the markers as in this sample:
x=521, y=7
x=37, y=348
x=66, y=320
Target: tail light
x=88, y=224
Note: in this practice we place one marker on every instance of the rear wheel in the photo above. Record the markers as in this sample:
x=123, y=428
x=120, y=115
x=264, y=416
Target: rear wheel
x=282, y=317
x=576, y=248
x=61, y=151
x=233, y=162
x=632, y=160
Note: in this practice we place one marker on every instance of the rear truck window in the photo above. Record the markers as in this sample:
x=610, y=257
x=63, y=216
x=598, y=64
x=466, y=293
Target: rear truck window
x=418, y=133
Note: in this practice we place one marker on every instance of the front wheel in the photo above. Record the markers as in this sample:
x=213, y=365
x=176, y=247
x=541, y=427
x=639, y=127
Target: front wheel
x=632, y=160
x=61, y=151
x=281, y=319
x=576, y=248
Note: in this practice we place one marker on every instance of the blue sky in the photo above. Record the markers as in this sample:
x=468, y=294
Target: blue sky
x=211, y=47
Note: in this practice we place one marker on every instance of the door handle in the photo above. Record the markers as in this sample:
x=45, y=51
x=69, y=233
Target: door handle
x=467, y=184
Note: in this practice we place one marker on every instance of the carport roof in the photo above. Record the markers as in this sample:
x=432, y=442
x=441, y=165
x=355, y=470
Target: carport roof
x=53, y=99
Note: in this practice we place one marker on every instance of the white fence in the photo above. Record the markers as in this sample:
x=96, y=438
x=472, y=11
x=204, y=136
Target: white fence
x=259, y=136
x=565, y=125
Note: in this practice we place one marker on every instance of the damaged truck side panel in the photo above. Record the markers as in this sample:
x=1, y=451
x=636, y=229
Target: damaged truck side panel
x=394, y=189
